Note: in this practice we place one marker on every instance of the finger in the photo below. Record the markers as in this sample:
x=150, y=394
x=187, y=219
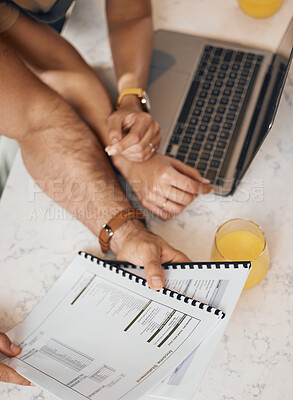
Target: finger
x=167, y=205
x=189, y=171
x=171, y=255
x=153, y=268
x=115, y=129
x=179, y=257
x=144, y=150
x=134, y=136
x=8, y=375
x=156, y=141
x=129, y=120
x=7, y=347
x=147, y=146
x=187, y=184
x=157, y=211
x=177, y=195
x=151, y=135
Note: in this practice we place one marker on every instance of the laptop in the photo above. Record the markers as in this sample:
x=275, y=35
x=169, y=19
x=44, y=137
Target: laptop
x=215, y=101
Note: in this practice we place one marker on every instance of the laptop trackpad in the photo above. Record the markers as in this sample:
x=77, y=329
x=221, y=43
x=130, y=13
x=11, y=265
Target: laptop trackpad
x=167, y=90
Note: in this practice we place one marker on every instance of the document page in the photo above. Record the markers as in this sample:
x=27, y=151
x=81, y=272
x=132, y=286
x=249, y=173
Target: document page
x=220, y=287
x=101, y=333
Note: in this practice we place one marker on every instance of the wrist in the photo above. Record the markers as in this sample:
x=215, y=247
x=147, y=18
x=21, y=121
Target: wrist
x=124, y=233
x=131, y=101
x=123, y=165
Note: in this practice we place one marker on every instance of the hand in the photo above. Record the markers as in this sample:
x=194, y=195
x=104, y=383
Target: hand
x=7, y=374
x=133, y=243
x=133, y=133
x=164, y=185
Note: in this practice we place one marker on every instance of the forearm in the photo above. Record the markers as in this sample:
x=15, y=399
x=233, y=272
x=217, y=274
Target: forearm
x=131, y=35
x=61, y=67
x=67, y=73
x=42, y=48
x=66, y=159
x=20, y=111
x=58, y=149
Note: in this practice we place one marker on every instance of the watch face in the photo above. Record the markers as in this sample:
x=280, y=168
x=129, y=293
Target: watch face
x=145, y=101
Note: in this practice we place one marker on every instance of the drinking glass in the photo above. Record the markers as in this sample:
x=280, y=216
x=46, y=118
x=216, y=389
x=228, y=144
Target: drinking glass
x=243, y=240
x=260, y=8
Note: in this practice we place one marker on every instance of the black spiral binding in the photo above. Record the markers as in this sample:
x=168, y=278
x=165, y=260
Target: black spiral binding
x=205, y=265
x=112, y=266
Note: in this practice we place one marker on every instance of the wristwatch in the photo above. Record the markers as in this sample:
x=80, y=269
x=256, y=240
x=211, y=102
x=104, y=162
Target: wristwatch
x=119, y=219
x=140, y=93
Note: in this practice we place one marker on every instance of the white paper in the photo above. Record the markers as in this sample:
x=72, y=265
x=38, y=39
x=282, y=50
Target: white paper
x=221, y=288
x=99, y=335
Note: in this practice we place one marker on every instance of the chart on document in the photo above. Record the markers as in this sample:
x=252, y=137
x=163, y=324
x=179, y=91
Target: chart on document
x=219, y=287
x=97, y=326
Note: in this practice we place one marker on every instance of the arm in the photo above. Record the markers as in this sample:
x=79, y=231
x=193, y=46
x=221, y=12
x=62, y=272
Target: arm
x=67, y=73
x=35, y=42
x=131, y=39
x=157, y=181
x=60, y=66
x=166, y=185
x=57, y=146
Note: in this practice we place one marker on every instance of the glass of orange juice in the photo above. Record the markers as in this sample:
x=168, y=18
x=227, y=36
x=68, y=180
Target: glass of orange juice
x=260, y=8
x=243, y=240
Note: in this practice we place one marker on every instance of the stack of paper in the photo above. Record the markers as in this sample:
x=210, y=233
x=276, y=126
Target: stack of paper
x=101, y=333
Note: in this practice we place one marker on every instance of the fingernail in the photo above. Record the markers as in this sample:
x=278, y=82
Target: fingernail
x=111, y=152
x=115, y=140
x=206, y=180
x=32, y=384
x=211, y=191
x=15, y=349
x=157, y=282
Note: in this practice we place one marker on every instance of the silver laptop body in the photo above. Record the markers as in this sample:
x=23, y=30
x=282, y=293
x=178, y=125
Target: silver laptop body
x=178, y=61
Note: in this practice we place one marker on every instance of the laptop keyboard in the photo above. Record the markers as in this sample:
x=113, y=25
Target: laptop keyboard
x=207, y=127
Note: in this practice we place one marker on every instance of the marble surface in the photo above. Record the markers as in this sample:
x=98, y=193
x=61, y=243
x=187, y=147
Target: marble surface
x=38, y=239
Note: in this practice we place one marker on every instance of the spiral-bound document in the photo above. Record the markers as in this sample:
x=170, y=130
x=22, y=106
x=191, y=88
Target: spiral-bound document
x=101, y=333
x=220, y=286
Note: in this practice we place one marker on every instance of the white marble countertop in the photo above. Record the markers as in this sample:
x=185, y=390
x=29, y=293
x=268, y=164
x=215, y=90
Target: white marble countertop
x=38, y=239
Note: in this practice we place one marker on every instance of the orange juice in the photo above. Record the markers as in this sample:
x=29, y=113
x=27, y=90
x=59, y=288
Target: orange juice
x=238, y=244
x=260, y=8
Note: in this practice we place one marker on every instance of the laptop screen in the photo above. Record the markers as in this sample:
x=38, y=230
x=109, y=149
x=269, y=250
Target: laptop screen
x=280, y=68
x=271, y=93
x=285, y=48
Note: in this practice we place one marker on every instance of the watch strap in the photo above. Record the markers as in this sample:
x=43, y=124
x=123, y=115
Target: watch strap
x=136, y=91
x=119, y=219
